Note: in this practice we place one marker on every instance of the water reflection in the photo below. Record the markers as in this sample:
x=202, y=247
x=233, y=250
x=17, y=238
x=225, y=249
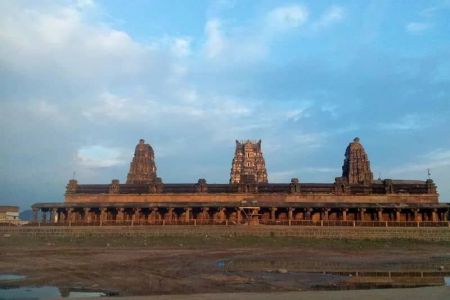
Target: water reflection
x=4, y=277
x=45, y=292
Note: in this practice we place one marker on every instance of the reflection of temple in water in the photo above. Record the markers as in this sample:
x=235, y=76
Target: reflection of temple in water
x=351, y=200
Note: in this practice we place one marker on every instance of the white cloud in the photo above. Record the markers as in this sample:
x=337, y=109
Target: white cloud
x=115, y=107
x=332, y=15
x=408, y=122
x=287, y=17
x=436, y=159
x=98, y=156
x=181, y=46
x=215, y=43
x=417, y=27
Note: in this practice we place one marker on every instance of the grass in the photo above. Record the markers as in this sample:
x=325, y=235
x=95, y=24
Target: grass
x=208, y=241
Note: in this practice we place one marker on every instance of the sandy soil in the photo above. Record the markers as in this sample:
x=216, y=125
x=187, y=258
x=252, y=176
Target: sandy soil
x=187, y=265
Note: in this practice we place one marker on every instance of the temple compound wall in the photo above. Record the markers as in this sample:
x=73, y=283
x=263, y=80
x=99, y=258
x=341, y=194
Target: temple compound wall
x=354, y=198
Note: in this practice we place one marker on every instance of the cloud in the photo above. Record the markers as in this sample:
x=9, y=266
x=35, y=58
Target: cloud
x=98, y=156
x=215, y=43
x=417, y=27
x=333, y=14
x=287, y=17
x=409, y=122
x=436, y=159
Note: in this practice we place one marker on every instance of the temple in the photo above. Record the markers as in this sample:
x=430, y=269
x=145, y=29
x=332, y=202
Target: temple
x=356, y=168
x=248, y=164
x=353, y=199
x=142, y=168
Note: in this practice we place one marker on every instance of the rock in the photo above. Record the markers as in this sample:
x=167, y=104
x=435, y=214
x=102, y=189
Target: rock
x=282, y=271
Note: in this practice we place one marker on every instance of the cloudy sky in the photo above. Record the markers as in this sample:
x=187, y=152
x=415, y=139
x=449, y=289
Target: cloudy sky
x=82, y=81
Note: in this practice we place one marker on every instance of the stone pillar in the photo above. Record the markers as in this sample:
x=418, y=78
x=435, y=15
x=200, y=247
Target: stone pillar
x=324, y=214
x=290, y=213
x=434, y=216
x=120, y=214
x=187, y=214
x=239, y=215
x=103, y=215
x=416, y=214
x=44, y=216
x=397, y=214
x=344, y=214
x=35, y=215
x=70, y=215
x=380, y=214
x=134, y=215
x=86, y=216
x=51, y=215
x=308, y=214
x=446, y=213
x=272, y=213
x=361, y=213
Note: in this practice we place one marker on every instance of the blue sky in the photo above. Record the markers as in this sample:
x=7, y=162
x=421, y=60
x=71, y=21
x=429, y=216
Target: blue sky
x=83, y=81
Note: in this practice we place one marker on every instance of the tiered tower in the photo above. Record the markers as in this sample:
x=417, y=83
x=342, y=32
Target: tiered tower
x=142, y=168
x=356, y=168
x=248, y=164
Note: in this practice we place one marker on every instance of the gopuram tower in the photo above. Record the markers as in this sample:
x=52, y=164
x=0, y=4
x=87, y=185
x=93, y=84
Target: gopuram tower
x=356, y=168
x=142, y=168
x=248, y=164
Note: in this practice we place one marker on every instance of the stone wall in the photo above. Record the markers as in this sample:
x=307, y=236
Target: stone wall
x=238, y=197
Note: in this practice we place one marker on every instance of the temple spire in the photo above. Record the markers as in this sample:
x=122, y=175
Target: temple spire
x=356, y=168
x=142, y=168
x=248, y=164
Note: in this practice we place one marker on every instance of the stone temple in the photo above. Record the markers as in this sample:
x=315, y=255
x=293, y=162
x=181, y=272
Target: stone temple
x=353, y=199
x=356, y=168
x=142, y=168
x=248, y=164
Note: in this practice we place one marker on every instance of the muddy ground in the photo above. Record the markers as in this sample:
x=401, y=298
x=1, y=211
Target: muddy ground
x=187, y=265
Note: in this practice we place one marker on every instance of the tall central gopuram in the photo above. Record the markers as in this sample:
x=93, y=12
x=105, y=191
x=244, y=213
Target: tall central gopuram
x=143, y=167
x=356, y=168
x=248, y=164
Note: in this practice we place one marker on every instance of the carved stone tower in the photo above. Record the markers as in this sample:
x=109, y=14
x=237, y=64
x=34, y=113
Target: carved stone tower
x=142, y=168
x=248, y=164
x=356, y=168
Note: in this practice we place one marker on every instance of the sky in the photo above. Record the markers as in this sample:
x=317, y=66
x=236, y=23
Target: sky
x=82, y=81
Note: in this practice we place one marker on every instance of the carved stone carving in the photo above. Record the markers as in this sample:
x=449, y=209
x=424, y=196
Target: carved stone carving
x=114, y=188
x=356, y=168
x=294, y=186
x=142, y=168
x=201, y=186
x=248, y=164
x=71, y=187
x=388, y=186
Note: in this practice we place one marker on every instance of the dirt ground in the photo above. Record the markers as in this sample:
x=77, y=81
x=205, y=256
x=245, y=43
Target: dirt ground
x=130, y=266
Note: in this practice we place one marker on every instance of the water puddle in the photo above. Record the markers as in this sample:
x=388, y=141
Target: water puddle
x=220, y=264
x=4, y=277
x=45, y=292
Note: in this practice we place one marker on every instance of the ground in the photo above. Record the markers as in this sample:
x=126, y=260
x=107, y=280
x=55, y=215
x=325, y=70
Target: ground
x=133, y=266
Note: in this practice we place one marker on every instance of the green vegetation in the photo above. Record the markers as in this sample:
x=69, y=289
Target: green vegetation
x=122, y=240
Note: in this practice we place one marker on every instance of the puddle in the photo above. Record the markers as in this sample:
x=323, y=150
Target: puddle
x=45, y=292
x=4, y=277
x=220, y=264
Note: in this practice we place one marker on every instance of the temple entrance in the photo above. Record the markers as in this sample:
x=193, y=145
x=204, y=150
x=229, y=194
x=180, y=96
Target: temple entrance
x=251, y=214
